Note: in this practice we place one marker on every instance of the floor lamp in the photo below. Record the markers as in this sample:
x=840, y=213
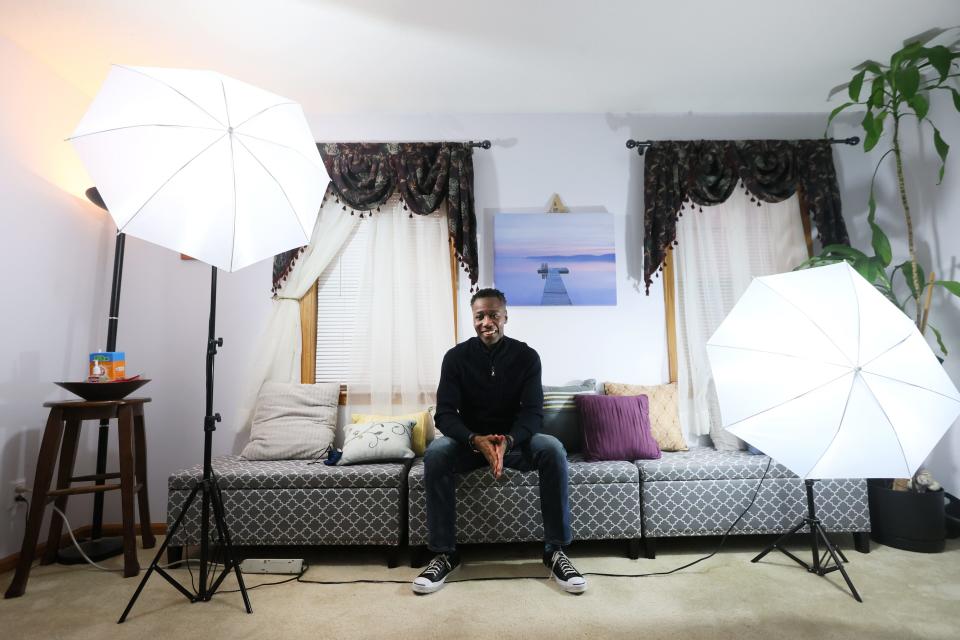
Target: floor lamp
x=97, y=547
x=216, y=169
x=821, y=372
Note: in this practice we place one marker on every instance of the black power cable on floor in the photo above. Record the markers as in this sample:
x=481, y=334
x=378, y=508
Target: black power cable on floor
x=299, y=578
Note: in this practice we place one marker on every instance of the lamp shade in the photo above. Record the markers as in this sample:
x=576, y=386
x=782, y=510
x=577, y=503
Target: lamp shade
x=821, y=372
x=202, y=164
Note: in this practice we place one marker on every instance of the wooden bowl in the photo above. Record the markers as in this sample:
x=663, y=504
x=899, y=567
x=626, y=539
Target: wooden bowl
x=94, y=391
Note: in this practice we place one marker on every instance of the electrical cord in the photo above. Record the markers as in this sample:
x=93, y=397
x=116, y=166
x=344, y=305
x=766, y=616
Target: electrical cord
x=77, y=544
x=270, y=584
x=21, y=498
x=723, y=540
x=706, y=557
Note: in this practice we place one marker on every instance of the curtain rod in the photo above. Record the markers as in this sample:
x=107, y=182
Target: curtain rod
x=641, y=145
x=483, y=144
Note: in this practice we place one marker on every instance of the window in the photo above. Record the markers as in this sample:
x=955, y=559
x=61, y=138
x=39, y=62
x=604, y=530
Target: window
x=721, y=249
x=383, y=311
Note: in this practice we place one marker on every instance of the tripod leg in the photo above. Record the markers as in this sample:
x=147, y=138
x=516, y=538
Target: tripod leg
x=815, y=545
x=822, y=534
x=776, y=544
x=838, y=550
x=156, y=559
x=216, y=499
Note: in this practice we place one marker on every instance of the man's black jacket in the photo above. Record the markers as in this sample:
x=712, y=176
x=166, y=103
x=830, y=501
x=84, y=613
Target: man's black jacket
x=490, y=391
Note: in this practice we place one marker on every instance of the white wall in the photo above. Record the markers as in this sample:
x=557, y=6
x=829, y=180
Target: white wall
x=54, y=252
x=936, y=215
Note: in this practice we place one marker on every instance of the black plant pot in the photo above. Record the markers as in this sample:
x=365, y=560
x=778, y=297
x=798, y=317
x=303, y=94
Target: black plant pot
x=953, y=516
x=905, y=519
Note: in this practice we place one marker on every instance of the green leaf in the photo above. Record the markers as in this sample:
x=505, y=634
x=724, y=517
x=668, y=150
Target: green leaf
x=855, y=84
x=836, y=112
x=919, y=105
x=876, y=93
x=881, y=244
x=843, y=251
x=943, y=348
x=872, y=129
x=956, y=99
x=867, y=268
x=950, y=285
x=908, y=81
x=940, y=59
x=907, y=268
x=873, y=67
x=942, y=149
x=906, y=53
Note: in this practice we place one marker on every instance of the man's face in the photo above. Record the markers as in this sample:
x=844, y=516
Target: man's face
x=489, y=316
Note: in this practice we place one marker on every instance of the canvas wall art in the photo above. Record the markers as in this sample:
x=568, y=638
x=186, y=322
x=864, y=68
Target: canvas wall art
x=555, y=259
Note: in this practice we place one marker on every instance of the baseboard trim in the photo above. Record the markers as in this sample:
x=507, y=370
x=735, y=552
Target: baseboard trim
x=113, y=529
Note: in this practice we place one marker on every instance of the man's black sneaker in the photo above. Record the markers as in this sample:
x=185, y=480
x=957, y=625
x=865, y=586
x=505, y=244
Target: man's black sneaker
x=433, y=577
x=563, y=572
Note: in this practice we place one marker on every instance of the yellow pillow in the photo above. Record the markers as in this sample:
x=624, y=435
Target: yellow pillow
x=664, y=412
x=418, y=439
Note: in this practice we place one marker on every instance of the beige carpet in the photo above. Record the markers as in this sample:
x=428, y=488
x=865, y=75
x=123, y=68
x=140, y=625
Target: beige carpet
x=907, y=595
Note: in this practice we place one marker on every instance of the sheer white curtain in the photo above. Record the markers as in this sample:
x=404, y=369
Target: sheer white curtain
x=278, y=352
x=404, y=312
x=721, y=249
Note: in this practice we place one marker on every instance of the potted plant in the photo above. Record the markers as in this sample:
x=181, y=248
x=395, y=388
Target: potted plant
x=891, y=95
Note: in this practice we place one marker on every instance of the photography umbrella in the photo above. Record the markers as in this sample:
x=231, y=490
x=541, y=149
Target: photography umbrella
x=822, y=373
x=213, y=168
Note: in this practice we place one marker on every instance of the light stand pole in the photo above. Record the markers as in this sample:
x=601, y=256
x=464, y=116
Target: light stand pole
x=210, y=498
x=98, y=547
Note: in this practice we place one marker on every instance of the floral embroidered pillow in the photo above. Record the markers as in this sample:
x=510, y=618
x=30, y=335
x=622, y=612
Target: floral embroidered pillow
x=377, y=441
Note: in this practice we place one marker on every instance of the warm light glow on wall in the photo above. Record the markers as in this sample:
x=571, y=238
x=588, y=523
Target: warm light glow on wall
x=38, y=116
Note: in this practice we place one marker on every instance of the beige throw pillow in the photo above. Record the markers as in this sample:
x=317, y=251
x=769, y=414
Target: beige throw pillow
x=293, y=421
x=664, y=412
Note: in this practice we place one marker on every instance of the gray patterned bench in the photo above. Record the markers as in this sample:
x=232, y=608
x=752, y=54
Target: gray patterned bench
x=293, y=502
x=604, y=505
x=702, y=491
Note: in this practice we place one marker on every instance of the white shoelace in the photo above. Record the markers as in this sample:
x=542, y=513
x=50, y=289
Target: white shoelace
x=566, y=568
x=435, y=568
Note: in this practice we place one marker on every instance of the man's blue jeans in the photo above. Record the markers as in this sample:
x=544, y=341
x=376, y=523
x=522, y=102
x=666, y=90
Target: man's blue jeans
x=446, y=457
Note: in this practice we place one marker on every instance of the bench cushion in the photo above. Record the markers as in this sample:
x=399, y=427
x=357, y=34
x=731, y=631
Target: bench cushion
x=234, y=472
x=580, y=473
x=705, y=463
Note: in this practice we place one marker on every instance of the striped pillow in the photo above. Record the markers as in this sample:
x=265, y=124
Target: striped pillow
x=560, y=416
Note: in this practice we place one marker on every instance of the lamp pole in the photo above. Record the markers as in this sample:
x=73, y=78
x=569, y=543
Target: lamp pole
x=98, y=547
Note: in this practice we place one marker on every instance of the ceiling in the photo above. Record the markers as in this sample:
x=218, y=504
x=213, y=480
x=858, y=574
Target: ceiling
x=503, y=56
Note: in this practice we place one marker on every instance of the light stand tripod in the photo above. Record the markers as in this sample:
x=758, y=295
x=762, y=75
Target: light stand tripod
x=821, y=565
x=210, y=497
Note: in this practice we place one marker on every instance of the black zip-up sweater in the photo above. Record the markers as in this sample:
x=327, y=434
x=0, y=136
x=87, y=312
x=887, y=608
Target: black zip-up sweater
x=490, y=391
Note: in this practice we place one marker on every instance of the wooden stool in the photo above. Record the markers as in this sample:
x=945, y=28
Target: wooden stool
x=62, y=433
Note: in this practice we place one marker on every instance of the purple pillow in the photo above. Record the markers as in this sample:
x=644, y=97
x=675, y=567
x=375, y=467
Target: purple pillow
x=616, y=428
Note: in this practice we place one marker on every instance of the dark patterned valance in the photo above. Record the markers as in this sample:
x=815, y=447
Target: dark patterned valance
x=681, y=174
x=426, y=174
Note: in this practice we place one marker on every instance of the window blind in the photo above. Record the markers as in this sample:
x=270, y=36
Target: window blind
x=342, y=333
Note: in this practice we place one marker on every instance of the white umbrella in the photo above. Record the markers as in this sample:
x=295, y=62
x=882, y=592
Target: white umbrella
x=822, y=373
x=202, y=164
